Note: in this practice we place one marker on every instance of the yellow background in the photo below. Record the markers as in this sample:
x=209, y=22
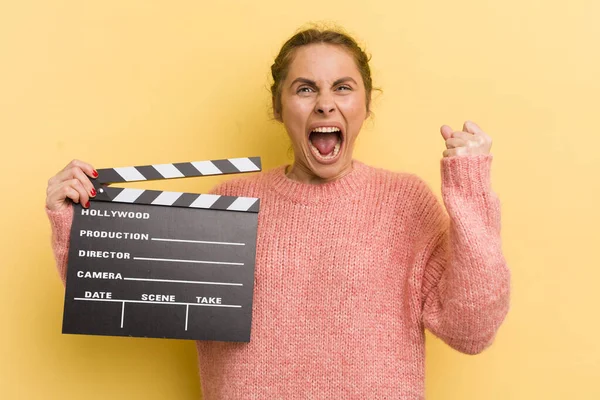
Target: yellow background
x=120, y=83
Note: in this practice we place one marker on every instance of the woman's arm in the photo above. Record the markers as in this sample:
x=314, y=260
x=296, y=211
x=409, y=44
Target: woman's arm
x=466, y=283
x=71, y=184
x=61, y=222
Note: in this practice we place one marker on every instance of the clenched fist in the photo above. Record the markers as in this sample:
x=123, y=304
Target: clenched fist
x=468, y=142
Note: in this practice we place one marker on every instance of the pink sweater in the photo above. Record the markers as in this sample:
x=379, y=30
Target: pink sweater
x=348, y=276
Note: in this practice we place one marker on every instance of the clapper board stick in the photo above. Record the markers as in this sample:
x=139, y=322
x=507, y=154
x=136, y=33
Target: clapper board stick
x=173, y=171
x=151, y=263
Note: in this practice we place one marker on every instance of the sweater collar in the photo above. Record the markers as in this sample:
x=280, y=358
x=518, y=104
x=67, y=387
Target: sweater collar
x=348, y=186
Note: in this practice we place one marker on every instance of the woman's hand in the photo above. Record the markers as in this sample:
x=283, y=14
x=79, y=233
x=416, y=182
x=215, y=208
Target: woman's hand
x=73, y=183
x=470, y=141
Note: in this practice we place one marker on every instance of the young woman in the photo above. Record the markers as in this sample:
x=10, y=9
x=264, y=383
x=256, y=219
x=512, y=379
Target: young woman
x=353, y=262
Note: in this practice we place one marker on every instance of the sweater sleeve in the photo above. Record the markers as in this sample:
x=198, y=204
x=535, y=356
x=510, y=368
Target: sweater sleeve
x=466, y=283
x=60, y=222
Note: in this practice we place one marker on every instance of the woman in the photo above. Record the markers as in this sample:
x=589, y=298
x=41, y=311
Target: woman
x=353, y=262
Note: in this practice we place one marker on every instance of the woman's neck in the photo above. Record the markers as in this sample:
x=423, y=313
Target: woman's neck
x=303, y=174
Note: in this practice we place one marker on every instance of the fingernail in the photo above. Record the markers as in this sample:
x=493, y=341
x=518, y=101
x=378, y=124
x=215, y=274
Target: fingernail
x=95, y=173
x=93, y=192
x=87, y=205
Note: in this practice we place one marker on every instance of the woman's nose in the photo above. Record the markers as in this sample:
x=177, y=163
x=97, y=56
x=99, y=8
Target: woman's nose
x=324, y=105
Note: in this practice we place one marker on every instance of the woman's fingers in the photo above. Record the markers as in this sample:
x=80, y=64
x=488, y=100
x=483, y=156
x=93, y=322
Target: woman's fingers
x=85, y=181
x=74, y=173
x=455, y=142
x=69, y=172
x=84, y=197
x=446, y=132
x=458, y=151
x=57, y=195
x=73, y=189
x=85, y=167
x=462, y=135
x=472, y=140
x=71, y=182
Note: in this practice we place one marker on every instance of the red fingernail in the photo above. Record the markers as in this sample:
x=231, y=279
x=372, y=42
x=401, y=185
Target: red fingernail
x=87, y=205
x=95, y=173
x=93, y=192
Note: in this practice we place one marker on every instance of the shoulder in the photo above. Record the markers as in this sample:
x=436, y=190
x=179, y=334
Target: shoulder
x=408, y=196
x=408, y=185
x=252, y=185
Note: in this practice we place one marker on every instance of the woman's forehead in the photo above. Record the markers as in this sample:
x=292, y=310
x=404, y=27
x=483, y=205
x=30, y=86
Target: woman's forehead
x=322, y=62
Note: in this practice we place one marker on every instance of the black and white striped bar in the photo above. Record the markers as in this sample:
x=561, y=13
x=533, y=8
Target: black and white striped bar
x=179, y=170
x=178, y=199
x=174, y=171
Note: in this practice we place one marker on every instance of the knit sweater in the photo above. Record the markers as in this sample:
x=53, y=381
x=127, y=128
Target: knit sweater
x=349, y=274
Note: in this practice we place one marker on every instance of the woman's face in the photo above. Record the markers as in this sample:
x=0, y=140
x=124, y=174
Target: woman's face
x=323, y=107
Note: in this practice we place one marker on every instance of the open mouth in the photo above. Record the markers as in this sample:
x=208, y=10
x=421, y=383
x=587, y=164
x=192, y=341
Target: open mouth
x=325, y=143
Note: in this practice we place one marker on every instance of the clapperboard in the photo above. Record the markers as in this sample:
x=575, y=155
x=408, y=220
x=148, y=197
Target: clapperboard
x=150, y=263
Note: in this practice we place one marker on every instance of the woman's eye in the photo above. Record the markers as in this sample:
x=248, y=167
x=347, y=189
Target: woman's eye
x=304, y=89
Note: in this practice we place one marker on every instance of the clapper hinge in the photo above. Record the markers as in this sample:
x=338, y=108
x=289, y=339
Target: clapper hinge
x=155, y=172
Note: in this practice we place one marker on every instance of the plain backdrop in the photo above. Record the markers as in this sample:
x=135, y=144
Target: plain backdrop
x=119, y=83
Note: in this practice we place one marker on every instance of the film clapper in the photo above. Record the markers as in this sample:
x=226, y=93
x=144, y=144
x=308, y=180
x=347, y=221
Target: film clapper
x=149, y=263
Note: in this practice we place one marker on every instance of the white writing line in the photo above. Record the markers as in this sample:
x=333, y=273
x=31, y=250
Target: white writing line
x=122, y=313
x=176, y=281
x=187, y=261
x=187, y=309
x=197, y=241
x=158, y=302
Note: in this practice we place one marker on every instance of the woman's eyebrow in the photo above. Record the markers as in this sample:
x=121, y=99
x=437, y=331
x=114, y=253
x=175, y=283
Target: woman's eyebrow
x=304, y=80
x=344, y=79
x=313, y=83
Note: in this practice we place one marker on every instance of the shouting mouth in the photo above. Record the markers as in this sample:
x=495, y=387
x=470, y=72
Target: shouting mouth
x=325, y=143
